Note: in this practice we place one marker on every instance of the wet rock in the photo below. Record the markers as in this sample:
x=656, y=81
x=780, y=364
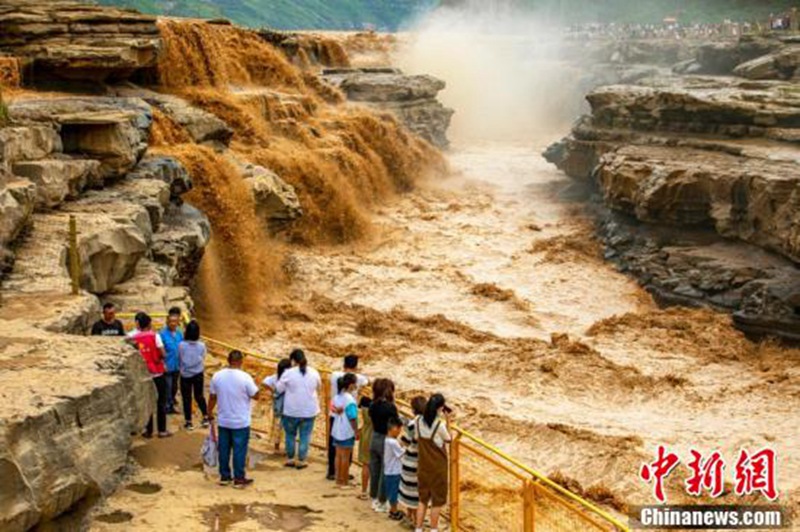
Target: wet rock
x=181, y=242
x=69, y=40
x=202, y=126
x=63, y=438
x=688, y=156
x=166, y=169
x=413, y=98
x=276, y=201
x=696, y=267
x=720, y=58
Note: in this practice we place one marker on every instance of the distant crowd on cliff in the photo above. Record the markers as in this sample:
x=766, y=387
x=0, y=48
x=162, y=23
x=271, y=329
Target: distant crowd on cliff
x=672, y=29
x=404, y=461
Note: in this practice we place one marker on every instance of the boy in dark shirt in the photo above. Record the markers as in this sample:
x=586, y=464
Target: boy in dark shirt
x=109, y=325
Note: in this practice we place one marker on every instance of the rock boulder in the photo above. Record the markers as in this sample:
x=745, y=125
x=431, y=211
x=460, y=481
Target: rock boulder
x=276, y=201
x=412, y=98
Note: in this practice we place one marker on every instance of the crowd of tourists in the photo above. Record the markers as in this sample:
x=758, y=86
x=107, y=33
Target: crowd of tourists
x=404, y=464
x=672, y=29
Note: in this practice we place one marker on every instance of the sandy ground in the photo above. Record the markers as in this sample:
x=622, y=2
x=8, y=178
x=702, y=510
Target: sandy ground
x=170, y=491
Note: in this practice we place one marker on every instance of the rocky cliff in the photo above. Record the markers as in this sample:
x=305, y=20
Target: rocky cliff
x=161, y=136
x=413, y=99
x=699, y=175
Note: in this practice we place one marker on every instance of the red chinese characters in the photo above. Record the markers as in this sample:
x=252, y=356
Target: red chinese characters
x=757, y=472
x=659, y=470
x=753, y=473
x=706, y=474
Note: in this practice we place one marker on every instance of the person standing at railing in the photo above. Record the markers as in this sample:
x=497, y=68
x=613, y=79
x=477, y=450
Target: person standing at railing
x=233, y=389
x=409, y=493
x=301, y=385
x=171, y=336
x=393, y=466
x=382, y=410
x=271, y=383
x=350, y=366
x=364, y=441
x=152, y=350
x=191, y=361
x=345, y=426
x=432, y=439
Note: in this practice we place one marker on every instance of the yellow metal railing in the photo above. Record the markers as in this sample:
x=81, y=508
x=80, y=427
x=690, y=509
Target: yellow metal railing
x=489, y=489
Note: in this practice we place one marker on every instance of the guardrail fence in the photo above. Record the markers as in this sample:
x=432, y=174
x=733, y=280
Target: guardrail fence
x=489, y=490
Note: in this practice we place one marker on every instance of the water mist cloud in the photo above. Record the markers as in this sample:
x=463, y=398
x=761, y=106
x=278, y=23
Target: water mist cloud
x=501, y=63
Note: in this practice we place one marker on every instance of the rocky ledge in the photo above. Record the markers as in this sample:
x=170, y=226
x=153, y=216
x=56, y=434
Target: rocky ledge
x=701, y=174
x=60, y=39
x=412, y=98
x=64, y=438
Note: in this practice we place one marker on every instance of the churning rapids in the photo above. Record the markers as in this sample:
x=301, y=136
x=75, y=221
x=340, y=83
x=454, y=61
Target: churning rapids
x=489, y=287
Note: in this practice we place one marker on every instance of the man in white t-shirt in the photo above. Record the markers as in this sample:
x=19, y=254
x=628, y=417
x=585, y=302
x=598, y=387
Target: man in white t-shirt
x=350, y=366
x=232, y=389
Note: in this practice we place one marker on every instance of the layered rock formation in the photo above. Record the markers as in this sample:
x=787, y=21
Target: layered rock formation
x=138, y=245
x=70, y=405
x=61, y=39
x=411, y=98
x=712, y=156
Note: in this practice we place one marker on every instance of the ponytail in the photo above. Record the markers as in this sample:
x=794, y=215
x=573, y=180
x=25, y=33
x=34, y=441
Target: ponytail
x=299, y=358
x=432, y=408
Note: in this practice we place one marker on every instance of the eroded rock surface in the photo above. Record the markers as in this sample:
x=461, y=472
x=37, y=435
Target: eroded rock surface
x=65, y=440
x=413, y=98
x=701, y=154
x=67, y=40
x=275, y=200
x=111, y=130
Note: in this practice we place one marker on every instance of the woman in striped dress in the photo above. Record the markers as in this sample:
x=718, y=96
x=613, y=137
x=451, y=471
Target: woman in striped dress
x=409, y=496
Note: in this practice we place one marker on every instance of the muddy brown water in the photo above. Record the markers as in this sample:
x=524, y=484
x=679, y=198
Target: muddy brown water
x=490, y=288
x=222, y=517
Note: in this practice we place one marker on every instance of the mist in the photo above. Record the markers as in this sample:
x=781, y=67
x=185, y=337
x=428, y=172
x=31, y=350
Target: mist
x=502, y=67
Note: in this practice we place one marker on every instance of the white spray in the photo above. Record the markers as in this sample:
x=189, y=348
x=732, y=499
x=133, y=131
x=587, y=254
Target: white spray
x=501, y=64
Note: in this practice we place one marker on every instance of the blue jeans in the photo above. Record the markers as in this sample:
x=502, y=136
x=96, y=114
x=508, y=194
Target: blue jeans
x=392, y=488
x=293, y=425
x=236, y=440
x=173, y=385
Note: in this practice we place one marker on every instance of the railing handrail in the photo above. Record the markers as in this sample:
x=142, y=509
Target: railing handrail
x=536, y=475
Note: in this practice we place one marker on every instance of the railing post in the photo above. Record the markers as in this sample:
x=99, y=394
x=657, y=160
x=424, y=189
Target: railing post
x=528, y=505
x=74, y=261
x=455, y=481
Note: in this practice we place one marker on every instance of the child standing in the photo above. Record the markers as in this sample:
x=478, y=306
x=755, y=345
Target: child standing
x=275, y=433
x=409, y=494
x=364, y=441
x=345, y=425
x=392, y=466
